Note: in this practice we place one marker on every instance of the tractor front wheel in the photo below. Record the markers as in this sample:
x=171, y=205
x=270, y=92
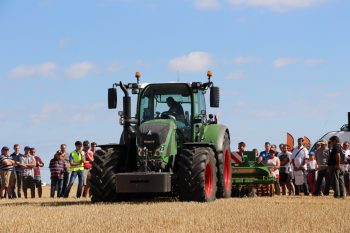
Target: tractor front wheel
x=196, y=174
x=102, y=180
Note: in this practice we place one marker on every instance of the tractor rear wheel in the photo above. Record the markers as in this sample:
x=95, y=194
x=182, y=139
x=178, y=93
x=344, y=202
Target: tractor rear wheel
x=196, y=175
x=102, y=180
x=224, y=170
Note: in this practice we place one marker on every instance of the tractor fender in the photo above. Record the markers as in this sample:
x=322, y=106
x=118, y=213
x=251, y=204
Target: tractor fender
x=214, y=135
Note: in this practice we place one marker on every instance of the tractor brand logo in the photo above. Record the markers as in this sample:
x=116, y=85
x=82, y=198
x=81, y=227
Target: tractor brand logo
x=149, y=132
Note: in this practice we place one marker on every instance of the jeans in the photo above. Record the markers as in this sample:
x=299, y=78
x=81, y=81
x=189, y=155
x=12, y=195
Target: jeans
x=323, y=174
x=18, y=184
x=56, y=182
x=65, y=182
x=337, y=182
x=74, y=175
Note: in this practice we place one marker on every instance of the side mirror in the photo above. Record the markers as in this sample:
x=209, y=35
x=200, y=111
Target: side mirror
x=112, y=98
x=214, y=97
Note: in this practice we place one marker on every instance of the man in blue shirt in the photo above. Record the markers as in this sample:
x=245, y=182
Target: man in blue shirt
x=265, y=155
x=16, y=155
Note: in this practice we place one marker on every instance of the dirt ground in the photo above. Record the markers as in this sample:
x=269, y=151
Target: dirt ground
x=262, y=214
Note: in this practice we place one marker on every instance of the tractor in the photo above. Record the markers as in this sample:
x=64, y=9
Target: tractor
x=171, y=147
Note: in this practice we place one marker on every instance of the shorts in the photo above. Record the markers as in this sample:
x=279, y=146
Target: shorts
x=86, y=176
x=28, y=182
x=8, y=178
x=37, y=181
x=284, y=178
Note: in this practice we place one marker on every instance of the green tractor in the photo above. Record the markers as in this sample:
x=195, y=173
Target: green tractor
x=172, y=147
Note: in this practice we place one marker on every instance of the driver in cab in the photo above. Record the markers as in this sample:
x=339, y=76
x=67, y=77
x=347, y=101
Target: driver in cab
x=175, y=109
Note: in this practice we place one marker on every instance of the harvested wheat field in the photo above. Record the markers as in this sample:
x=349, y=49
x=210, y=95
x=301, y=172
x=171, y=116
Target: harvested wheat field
x=264, y=214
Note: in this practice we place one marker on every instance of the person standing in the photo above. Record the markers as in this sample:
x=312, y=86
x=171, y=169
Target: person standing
x=285, y=171
x=57, y=169
x=37, y=175
x=311, y=173
x=346, y=153
x=322, y=156
x=27, y=163
x=273, y=164
x=334, y=166
x=93, y=147
x=6, y=173
x=89, y=158
x=16, y=155
x=265, y=155
x=65, y=155
x=299, y=160
x=76, y=160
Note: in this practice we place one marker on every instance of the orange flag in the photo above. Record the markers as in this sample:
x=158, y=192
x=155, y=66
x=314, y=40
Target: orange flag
x=290, y=142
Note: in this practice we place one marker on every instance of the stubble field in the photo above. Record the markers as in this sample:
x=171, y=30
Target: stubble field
x=264, y=214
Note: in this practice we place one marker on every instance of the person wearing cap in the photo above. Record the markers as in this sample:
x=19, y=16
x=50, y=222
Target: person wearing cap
x=273, y=164
x=16, y=155
x=89, y=158
x=27, y=163
x=300, y=156
x=76, y=160
x=322, y=156
x=265, y=155
x=37, y=175
x=6, y=173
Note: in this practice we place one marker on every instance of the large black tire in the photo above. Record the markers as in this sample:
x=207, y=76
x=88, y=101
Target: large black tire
x=196, y=174
x=224, y=170
x=104, y=169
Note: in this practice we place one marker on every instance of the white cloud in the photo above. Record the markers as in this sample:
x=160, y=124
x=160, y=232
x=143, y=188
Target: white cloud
x=286, y=61
x=269, y=114
x=64, y=41
x=56, y=112
x=277, y=5
x=114, y=67
x=236, y=75
x=80, y=70
x=240, y=60
x=206, y=4
x=194, y=61
x=45, y=70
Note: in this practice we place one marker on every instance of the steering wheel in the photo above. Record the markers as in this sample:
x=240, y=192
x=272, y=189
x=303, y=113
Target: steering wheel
x=167, y=115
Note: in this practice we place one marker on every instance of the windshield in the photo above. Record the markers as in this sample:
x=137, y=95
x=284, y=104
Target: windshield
x=343, y=136
x=164, y=101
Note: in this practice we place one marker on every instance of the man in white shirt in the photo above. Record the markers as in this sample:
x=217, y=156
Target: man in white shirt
x=346, y=152
x=300, y=157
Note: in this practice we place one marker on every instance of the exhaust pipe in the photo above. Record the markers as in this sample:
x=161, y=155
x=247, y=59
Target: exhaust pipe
x=349, y=121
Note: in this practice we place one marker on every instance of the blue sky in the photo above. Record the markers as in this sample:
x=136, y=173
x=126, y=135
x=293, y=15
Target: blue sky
x=281, y=64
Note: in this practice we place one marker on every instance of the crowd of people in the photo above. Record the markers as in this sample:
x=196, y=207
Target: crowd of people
x=299, y=170
x=20, y=172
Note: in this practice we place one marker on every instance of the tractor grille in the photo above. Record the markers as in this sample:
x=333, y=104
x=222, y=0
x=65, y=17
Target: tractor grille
x=152, y=136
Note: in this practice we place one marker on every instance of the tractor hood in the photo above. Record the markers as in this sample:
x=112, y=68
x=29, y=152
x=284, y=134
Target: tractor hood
x=158, y=137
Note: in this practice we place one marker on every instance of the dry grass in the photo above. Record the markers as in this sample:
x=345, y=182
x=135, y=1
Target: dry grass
x=277, y=214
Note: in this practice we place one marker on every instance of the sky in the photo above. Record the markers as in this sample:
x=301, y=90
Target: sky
x=282, y=65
